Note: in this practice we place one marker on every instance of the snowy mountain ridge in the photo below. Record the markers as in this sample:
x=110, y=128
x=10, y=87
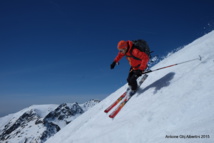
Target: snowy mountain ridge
x=37, y=123
x=173, y=105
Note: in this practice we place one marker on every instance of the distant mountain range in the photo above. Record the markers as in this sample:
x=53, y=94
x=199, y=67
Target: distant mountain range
x=37, y=123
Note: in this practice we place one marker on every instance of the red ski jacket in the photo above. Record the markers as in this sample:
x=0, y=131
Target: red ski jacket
x=137, y=59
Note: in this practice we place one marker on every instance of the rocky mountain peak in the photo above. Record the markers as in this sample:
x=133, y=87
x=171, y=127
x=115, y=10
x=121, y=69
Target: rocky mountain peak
x=36, y=124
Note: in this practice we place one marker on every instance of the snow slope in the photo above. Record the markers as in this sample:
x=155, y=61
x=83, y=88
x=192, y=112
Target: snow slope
x=173, y=105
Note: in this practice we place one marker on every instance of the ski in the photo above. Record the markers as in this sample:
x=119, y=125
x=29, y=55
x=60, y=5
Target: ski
x=116, y=102
x=143, y=79
x=117, y=110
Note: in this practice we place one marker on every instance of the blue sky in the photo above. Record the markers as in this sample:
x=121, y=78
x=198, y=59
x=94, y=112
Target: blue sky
x=56, y=51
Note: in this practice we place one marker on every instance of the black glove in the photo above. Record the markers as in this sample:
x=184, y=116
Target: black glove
x=113, y=65
x=138, y=72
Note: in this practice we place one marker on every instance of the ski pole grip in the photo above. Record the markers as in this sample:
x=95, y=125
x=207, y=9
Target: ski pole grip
x=147, y=72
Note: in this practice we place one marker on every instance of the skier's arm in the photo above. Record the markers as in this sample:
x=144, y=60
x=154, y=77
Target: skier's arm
x=144, y=62
x=119, y=57
x=116, y=60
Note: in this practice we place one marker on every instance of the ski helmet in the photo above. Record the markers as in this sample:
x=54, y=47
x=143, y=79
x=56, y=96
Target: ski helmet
x=122, y=45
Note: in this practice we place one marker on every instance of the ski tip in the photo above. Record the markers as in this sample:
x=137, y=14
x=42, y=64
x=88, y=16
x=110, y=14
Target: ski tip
x=112, y=117
x=106, y=111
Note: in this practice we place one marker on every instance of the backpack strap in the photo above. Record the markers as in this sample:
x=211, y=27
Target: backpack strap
x=132, y=56
x=143, y=46
x=147, y=52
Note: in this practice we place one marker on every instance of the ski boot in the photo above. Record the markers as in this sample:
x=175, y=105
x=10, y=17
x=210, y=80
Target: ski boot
x=132, y=92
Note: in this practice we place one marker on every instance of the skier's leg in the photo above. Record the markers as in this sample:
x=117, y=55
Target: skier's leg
x=133, y=82
x=129, y=76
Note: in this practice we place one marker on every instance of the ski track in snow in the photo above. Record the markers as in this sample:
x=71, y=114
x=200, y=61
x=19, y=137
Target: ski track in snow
x=177, y=101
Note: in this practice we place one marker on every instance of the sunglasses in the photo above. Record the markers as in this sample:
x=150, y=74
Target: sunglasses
x=122, y=50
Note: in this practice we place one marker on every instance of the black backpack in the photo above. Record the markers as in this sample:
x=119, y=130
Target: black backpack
x=142, y=46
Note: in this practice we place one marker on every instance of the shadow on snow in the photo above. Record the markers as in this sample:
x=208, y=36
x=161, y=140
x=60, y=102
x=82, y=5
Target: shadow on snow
x=162, y=82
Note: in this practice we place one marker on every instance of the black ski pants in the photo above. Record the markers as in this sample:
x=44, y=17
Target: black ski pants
x=132, y=80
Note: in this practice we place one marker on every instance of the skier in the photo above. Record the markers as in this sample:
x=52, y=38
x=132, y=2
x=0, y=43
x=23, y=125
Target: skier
x=138, y=61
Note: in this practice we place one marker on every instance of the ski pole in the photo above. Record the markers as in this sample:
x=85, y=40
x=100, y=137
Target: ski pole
x=172, y=65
